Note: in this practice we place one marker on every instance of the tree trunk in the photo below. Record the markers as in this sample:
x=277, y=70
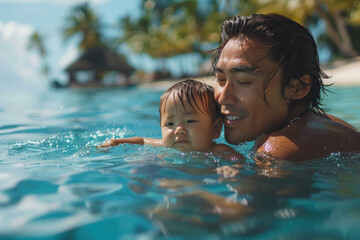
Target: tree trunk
x=344, y=34
x=346, y=49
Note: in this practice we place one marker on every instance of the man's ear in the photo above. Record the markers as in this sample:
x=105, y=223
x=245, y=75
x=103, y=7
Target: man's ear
x=218, y=127
x=298, y=87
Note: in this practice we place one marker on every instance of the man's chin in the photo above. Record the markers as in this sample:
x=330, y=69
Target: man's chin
x=230, y=139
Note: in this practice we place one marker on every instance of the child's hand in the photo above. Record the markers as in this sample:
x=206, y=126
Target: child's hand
x=110, y=143
x=227, y=171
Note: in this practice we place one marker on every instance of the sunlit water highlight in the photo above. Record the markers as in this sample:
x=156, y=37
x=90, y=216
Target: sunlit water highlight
x=55, y=183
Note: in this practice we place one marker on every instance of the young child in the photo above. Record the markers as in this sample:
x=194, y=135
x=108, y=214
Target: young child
x=190, y=120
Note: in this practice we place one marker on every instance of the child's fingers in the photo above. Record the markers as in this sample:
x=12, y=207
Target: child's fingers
x=227, y=171
x=104, y=145
x=108, y=143
x=104, y=149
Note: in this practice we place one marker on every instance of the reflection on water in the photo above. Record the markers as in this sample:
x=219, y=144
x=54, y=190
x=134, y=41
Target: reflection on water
x=56, y=184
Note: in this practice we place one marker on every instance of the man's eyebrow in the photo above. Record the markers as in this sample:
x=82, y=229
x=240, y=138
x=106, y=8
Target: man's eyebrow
x=242, y=68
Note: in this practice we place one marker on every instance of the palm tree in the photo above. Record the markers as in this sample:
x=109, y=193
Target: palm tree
x=83, y=22
x=153, y=33
x=169, y=28
x=335, y=13
x=36, y=43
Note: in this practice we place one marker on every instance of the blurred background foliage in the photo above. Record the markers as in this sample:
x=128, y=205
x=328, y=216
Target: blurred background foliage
x=171, y=28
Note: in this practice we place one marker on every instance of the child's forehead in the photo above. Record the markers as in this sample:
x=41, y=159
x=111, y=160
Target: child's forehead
x=187, y=105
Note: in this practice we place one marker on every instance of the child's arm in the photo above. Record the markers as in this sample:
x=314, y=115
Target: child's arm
x=228, y=153
x=133, y=140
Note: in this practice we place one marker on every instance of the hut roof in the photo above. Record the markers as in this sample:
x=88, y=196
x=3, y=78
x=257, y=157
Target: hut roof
x=100, y=58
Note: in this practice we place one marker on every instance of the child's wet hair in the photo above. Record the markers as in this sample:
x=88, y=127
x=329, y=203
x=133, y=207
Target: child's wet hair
x=188, y=90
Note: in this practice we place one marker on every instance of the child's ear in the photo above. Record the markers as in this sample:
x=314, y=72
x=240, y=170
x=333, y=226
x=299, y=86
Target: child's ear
x=218, y=127
x=298, y=87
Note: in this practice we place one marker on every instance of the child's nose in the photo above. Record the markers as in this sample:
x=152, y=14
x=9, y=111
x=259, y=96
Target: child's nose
x=180, y=130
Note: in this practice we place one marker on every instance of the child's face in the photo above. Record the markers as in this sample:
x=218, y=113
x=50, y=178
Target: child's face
x=185, y=129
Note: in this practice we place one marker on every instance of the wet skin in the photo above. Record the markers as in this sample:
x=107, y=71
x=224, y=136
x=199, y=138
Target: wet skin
x=241, y=72
x=186, y=129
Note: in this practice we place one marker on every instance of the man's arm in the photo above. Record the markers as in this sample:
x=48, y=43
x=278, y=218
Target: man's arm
x=133, y=140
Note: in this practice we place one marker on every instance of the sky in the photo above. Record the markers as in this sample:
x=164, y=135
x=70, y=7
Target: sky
x=19, y=18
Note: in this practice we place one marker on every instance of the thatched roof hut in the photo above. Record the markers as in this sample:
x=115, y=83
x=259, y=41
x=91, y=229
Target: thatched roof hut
x=95, y=63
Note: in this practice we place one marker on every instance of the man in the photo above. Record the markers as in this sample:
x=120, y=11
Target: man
x=269, y=85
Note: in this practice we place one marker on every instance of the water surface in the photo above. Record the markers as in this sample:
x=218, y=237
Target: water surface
x=55, y=183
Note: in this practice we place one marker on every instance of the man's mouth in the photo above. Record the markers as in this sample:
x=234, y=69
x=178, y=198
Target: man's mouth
x=230, y=120
x=233, y=118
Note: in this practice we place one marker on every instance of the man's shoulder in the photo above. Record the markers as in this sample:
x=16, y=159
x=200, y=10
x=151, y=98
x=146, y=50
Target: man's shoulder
x=311, y=137
x=279, y=146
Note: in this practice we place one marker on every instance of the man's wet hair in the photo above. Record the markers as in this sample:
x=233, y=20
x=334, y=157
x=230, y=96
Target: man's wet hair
x=194, y=93
x=290, y=45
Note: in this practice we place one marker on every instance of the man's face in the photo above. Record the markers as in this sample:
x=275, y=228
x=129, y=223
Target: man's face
x=185, y=129
x=241, y=72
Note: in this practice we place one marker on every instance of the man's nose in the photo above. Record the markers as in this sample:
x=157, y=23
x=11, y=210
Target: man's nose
x=226, y=94
x=180, y=130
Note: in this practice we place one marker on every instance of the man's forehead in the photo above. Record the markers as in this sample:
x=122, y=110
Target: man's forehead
x=243, y=51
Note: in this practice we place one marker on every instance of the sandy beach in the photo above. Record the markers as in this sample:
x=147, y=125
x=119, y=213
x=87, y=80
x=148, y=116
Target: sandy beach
x=342, y=72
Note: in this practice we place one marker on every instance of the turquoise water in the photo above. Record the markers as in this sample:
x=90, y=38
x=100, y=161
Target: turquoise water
x=55, y=184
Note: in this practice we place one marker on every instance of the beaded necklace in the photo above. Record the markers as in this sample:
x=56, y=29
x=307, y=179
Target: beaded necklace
x=293, y=120
x=297, y=118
